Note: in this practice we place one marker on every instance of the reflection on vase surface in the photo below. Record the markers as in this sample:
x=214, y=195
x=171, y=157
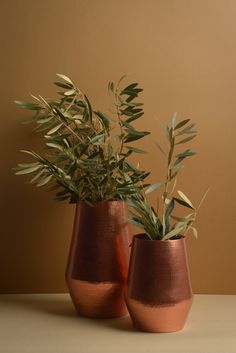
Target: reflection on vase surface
x=98, y=261
x=158, y=294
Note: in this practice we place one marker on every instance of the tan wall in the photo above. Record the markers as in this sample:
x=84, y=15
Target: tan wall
x=183, y=53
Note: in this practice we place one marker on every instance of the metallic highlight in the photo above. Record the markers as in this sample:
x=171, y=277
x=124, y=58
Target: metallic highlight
x=97, y=267
x=98, y=300
x=159, y=293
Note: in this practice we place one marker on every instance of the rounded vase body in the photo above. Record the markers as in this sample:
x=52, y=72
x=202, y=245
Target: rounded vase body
x=98, y=261
x=158, y=294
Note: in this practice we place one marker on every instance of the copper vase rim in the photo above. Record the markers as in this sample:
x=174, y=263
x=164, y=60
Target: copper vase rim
x=143, y=237
x=91, y=204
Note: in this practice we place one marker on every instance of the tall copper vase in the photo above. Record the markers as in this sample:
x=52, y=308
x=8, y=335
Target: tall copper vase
x=159, y=294
x=97, y=266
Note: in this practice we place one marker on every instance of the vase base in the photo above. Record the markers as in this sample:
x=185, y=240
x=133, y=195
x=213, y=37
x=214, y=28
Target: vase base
x=101, y=300
x=159, y=318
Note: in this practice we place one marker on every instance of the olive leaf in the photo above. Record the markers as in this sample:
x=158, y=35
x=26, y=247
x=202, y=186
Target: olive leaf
x=161, y=223
x=153, y=187
x=82, y=160
x=185, y=198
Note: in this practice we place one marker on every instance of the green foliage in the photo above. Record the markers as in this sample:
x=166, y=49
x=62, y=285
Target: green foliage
x=162, y=224
x=81, y=160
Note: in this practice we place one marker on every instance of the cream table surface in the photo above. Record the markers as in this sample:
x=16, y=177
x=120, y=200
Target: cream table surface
x=43, y=323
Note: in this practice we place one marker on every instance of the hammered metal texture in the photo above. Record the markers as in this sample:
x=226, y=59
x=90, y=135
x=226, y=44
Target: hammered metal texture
x=159, y=293
x=98, y=300
x=98, y=260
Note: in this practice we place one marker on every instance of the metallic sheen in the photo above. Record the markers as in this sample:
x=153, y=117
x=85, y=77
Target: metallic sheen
x=159, y=294
x=98, y=260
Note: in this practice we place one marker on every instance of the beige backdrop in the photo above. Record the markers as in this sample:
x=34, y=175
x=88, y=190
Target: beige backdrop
x=183, y=52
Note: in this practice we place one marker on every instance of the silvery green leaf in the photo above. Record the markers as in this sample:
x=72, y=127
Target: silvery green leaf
x=163, y=225
x=54, y=145
x=61, y=115
x=174, y=175
x=182, y=123
x=62, y=85
x=104, y=119
x=111, y=86
x=176, y=231
x=27, y=165
x=130, y=87
x=77, y=117
x=122, y=78
x=179, y=219
x=37, y=176
x=129, y=127
x=96, y=138
x=185, y=198
x=29, y=106
x=137, y=150
x=182, y=156
x=54, y=129
x=27, y=170
x=190, y=217
x=134, y=117
x=173, y=187
x=160, y=148
x=176, y=167
x=195, y=233
x=44, y=101
x=153, y=187
x=186, y=140
x=44, y=120
x=134, y=104
x=135, y=135
x=44, y=181
x=169, y=210
x=65, y=78
x=28, y=152
x=183, y=203
x=188, y=128
x=174, y=120
x=78, y=123
x=136, y=224
x=67, y=114
x=121, y=100
x=186, y=153
x=169, y=132
x=66, y=143
x=187, y=132
x=70, y=92
x=36, y=98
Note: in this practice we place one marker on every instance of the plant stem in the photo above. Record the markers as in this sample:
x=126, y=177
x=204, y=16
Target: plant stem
x=167, y=181
x=120, y=124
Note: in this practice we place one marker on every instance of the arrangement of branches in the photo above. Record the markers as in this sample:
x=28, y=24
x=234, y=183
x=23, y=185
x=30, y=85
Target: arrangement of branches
x=161, y=223
x=84, y=158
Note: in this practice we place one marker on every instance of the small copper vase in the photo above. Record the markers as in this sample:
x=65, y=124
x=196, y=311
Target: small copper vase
x=97, y=266
x=159, y=294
